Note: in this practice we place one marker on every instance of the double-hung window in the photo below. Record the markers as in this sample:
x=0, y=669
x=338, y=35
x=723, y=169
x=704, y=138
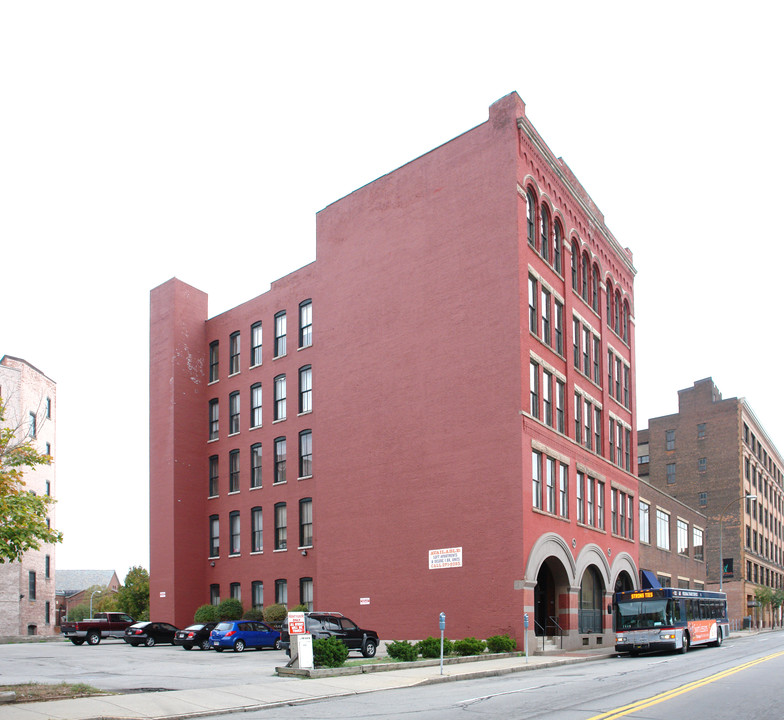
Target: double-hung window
x=546, y=335
x=306, y=522
x=256, y=530
x=214, y=536
x=234, y=353
x=214, y=356
x=234, y=413
x=534, y=378
x=280, y=460
x=213, y=486
x=306, y=453
x=234, y=533
x=234, y=471
x=536, y=478
x=305, y=389
x=532, y=303
x=255, y=465
x=280, y=334
x=213, y=430
x=280, y=397
x=547, y=397
x=255, y=405
x=280, y=526
x=255, y=344
x=305, y=324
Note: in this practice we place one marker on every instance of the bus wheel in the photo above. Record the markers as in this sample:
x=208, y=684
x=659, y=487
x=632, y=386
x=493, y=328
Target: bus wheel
x=719, y=638
x=685, y=643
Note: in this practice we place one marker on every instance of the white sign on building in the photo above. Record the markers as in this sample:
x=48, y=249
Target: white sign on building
x=445, y=558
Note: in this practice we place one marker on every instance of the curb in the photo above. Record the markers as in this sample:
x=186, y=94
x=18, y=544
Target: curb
x=385, y=667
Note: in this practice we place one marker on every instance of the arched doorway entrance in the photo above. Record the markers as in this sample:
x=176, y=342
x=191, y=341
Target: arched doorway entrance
x=544, y=600
x=551, y=582
x=590, y=602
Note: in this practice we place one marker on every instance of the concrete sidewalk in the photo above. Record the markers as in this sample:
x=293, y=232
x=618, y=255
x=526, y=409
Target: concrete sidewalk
x=273, y=691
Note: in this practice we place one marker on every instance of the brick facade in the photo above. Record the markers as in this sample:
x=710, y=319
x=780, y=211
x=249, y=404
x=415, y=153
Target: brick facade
x=27, y=587
x=718, y=452
x=460, y=369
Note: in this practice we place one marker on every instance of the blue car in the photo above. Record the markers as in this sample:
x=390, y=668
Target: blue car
x=240, y=634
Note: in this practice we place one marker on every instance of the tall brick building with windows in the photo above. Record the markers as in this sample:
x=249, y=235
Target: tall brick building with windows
x=711, y=454
x=454, y=371
x=27, y=586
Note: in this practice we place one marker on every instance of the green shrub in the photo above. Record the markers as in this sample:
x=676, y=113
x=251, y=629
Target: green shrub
x=500, y=644
x=79, y=612
x=402, y=650
x=299, y=608
x=206, y=613
x=329, y=652
x=275, y=613
x=469, y=646
x=430, y=647
x=255, y=613
x=230, y=609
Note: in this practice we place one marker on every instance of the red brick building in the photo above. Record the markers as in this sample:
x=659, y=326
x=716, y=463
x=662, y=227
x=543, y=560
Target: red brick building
x=711, y=455
x=454, y=371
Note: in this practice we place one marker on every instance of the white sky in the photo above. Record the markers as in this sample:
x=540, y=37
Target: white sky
x=144, y=140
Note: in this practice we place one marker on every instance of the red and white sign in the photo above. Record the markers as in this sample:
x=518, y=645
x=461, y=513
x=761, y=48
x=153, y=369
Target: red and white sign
x=445, y=558
x=296, y=623
x=364, y=601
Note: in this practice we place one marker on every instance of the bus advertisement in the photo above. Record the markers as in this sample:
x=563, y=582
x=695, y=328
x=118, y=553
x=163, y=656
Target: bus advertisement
x=668, y=619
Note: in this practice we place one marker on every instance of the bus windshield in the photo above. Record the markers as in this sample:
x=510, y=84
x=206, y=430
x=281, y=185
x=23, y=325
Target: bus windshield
x=645, y=614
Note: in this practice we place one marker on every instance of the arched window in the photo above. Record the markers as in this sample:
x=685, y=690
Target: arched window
x=530, y=214
x=575, y=263
x=544, y=226
x=557, y=244
x=585, y=279
x=625, y=327
x=595, y=289
x=617, y=311
x=591, y=593
x=609, y=291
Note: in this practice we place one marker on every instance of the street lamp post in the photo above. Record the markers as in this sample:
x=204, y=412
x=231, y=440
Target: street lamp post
x=91, y=601
x=721, y=536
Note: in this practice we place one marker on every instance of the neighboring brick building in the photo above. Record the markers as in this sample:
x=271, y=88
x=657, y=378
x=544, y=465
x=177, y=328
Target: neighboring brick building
x=27, y=587
x=73, y=588
x=455, y=371
x=710, y=455
x=672, y=535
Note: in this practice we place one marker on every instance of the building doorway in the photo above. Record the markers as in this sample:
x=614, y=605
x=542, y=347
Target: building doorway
x=590, y=604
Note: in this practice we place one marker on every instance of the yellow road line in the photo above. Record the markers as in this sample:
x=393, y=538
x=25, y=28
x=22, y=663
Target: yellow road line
x=688, y=687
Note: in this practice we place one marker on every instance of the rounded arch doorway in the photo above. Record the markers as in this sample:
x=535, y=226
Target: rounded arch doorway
x=551, y=582
x=590, y=602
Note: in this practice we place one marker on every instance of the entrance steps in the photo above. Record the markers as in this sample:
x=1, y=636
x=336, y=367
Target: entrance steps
x=551, y=644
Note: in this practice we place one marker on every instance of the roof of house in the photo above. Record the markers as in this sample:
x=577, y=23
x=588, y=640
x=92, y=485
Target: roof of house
x=68, y=582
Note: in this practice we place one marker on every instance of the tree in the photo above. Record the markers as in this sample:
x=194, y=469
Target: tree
x=134, y=596
x=23, y=514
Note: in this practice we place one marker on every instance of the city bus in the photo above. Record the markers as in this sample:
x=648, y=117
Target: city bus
x=668, y=619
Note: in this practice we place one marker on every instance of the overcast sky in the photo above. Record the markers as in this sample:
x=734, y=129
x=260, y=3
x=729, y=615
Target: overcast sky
x=145, y=140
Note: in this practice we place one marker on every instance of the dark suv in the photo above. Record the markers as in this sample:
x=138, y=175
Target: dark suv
x=334, y=624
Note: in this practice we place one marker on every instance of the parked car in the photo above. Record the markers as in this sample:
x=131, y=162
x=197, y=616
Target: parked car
x=103, y=625
x=240, y=634
x=334, y=624
x=197, y=635
x=149, y=633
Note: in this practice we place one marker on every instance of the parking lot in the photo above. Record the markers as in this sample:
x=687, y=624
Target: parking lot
x=114, y=665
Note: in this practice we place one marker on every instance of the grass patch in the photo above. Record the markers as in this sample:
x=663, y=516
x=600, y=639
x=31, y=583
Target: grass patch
x=36, y=692
x=367, y=661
